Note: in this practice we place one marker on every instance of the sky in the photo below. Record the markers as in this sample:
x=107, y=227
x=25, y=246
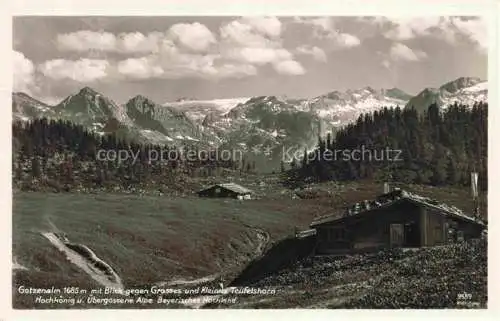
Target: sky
x=167, y=58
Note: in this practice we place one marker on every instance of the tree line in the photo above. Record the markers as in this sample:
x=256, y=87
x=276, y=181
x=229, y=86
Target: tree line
x=436, y=147
x=63, y=156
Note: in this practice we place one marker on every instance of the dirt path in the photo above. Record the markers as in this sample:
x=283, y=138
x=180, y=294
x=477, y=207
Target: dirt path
x=85, y=259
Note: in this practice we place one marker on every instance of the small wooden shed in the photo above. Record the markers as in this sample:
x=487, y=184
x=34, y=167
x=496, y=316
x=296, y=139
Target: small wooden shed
x=230, y=190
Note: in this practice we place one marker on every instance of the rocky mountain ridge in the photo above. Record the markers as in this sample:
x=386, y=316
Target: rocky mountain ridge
x=264, y=122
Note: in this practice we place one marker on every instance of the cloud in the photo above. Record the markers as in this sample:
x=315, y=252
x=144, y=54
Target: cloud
x=251, y=32
x=268, y=26
x=347, y=40
x=316, y=52
x=139, y=68
x=173, y=55
x=184, y=50
x=475, y=29
x=194, y=36
x=137, y=42
x=236, y=71
x=133, y=42
x=177, y=65
x=259, y=56
x=85, y=40
x=257, y=41
x=401, y=52
x=404, y=28
x=324, y=29
x=372, y=20
x=449, y=29
x=24, y=73
x=289, y=67
x=386, y=63
x=82, y=70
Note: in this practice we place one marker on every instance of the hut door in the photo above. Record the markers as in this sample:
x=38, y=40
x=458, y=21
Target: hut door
x=397, y=234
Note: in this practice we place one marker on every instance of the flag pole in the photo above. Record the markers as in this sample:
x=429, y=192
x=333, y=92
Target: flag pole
x=475, y=192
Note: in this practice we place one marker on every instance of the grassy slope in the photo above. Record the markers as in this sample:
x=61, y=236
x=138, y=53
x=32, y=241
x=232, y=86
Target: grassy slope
x=145, y=239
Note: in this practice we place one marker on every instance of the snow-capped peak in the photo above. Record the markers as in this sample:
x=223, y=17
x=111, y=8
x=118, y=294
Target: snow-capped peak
x=482, y=86
x=460, y=83
x=339, y=108
x=198, y=110
x=464, y=90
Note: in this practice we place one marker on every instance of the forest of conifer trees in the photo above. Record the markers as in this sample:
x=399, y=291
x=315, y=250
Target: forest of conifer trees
x=62, y=156
x=437, y=148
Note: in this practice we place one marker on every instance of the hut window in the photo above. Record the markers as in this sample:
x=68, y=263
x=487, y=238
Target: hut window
x=217, y=190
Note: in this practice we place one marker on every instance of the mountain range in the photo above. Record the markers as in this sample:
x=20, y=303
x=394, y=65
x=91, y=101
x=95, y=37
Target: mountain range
x=266, y=122
x=464, y=90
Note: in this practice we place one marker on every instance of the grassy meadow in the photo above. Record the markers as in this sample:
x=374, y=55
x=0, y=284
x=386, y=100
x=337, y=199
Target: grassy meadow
x=148, y=239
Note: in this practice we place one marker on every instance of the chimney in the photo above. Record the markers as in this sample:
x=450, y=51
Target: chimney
x=386, y=187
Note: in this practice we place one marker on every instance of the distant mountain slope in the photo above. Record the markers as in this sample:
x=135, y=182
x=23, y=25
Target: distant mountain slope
x=340, y=108
x=91, y=109
x=264, y=127
x=25, y=107
x=140, y=119
x=152, y=117
x=464, y=90
x=265, y=120
x=197, y=110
